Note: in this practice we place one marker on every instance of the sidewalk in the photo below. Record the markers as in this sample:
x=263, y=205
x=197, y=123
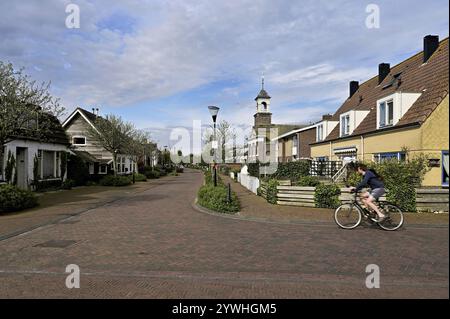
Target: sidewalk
x=58, y=205
x=253, y=206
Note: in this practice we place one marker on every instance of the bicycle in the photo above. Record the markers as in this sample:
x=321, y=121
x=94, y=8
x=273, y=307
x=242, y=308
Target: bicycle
x=350, y=215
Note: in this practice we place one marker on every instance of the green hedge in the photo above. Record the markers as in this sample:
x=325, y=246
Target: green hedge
x=151, y=174
x=215, y=198
x=311, y=181
x=327, y=196
x=42, y=186
x=111, y=180
x=292, y=170
x=400, y=180
x=13, y=199
x=272, y=191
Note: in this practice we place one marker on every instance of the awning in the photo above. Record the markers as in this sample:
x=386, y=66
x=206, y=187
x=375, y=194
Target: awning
x=345, y=150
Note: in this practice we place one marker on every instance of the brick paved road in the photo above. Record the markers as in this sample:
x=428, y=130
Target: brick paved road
x=155, y=245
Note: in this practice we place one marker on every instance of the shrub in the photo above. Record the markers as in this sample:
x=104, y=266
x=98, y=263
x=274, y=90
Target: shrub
x=151, y=173
x=400, y=180
x=327, y=196
x=111, y=180
x=13, y=199
x=311, y=181
x=68, y=184
x=272, y=191
x=215, y=198
x=138, y=177
x=42, y=186
x=77, y=170
x=91, y=183
x=292, y=170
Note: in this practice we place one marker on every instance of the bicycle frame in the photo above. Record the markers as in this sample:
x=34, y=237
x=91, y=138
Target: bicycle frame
x=363, y=209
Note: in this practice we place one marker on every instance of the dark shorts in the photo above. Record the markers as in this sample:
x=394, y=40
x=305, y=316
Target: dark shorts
x=377, y=193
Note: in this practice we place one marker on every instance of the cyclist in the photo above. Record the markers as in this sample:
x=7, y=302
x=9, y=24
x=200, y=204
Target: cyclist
x=374, y=181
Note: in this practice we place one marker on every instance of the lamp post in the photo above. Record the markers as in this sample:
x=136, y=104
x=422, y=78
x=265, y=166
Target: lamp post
x=214, y=110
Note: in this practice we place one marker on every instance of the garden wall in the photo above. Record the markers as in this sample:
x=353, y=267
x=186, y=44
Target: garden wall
x=428, y=200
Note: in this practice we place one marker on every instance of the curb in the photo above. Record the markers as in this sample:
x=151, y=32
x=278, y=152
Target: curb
x=314, y=223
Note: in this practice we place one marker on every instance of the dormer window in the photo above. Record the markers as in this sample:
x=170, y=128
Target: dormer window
x=386, y=113
x=392, y=108
x=319, y=136
x=345, y=125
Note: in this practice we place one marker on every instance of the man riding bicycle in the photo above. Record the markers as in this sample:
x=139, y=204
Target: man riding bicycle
x=374, y=181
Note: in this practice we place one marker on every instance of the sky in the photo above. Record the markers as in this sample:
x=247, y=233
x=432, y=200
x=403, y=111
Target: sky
x=159, y=64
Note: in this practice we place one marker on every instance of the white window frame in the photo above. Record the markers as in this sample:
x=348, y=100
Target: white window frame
x=319, y=133
x=345, y=129
x=101, y=171
x=380, y=116
x=79, y=136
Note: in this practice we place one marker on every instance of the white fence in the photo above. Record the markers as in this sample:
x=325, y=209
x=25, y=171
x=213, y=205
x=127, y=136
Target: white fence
x=249, y=182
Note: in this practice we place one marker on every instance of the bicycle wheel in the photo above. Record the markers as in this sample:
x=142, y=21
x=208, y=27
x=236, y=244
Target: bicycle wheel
x=394, y=217
x=348, y=216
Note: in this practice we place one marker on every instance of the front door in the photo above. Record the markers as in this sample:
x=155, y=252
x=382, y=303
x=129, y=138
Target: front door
x=21, y=168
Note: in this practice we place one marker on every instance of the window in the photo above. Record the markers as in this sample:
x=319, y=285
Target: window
x=320, y=132
x=295, y=146
x=345, y=125
x=322, y=158
x=103, y=169
x=445, y=172
x=79, y=140
x=382, y=157
x=386, y=114
x=48, y=164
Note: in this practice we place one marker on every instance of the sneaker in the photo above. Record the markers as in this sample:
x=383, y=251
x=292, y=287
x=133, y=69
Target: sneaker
x=381, y=219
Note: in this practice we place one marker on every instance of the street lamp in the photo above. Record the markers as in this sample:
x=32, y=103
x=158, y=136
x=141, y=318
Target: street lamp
x=214, y=110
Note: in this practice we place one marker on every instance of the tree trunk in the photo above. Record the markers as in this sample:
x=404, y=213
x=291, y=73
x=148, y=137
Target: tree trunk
x=115, y=163
x=1, y=159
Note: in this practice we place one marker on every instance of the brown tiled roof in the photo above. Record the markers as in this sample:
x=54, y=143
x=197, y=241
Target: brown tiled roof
x=430, y=79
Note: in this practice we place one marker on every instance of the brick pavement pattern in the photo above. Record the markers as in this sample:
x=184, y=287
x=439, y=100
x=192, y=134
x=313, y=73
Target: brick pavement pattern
x=154, y=244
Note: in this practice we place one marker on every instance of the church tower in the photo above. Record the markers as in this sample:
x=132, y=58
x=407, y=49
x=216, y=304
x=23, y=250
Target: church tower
x=263, y=117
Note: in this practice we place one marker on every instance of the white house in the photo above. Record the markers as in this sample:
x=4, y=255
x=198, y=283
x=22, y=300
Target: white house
x=31, y=155
x=100, y=161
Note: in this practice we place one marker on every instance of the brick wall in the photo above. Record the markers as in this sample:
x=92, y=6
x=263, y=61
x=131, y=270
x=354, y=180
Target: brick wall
x=305, y=138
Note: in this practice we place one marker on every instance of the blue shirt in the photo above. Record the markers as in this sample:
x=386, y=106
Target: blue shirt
x=371, y=180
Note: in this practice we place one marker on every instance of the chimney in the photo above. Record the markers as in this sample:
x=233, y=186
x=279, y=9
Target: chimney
x=430, y=45
x=326, y=117
x=354, y=86
x=383, y=71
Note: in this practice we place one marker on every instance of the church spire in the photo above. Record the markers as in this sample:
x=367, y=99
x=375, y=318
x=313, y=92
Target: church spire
x=262, y=81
